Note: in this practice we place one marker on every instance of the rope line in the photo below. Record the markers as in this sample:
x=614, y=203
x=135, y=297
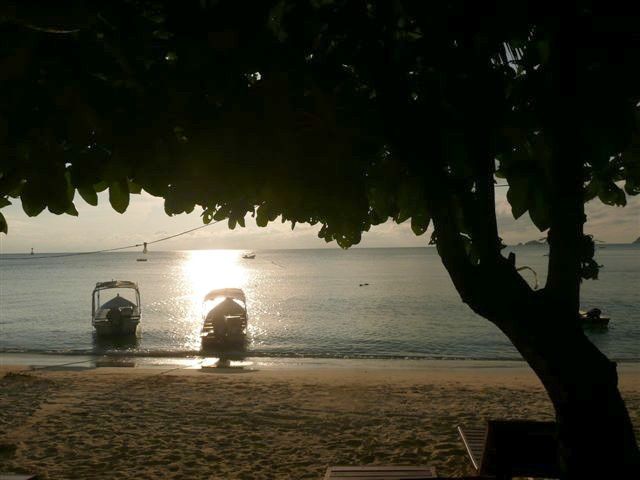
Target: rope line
x=182, y=233
x=142, y=244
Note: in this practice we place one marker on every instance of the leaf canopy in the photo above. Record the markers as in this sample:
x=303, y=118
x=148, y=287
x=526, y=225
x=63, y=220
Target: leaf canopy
x=302, y=109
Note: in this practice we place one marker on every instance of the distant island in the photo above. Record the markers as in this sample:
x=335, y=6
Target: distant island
x=637, y=240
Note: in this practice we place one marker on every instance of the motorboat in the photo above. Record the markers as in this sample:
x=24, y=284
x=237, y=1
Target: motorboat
x=249, y=255
x=224, y=319
x=118, y=316
x=593, y=318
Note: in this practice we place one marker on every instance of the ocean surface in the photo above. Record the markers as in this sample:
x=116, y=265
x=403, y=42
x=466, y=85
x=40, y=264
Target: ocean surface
x=301, y=303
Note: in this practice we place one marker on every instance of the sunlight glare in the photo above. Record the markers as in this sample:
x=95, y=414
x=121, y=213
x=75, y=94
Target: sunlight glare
x=205, y=270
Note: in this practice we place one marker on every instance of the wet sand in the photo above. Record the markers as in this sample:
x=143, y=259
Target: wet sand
x=176, y=423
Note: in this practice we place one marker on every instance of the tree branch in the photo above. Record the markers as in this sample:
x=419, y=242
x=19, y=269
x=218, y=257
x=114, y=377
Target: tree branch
x=484, y=287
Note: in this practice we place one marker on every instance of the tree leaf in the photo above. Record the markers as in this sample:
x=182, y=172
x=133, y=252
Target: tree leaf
x=88, y=195
x=101, y=186
x=32, y=199
x=207, y=216
x=134, y=188
x=11, y=184
x=72, y=210
x=610, y=194
x=221, y=214
x=119, y=195
x=420, y=223
x=591, y=190
x=518, y=196
x=380, y=201
x=539, y=211
x=410, y=198
x=4, y=228
x=71, y=191
x=4, y=202
x=402, y=216
x=262, y=216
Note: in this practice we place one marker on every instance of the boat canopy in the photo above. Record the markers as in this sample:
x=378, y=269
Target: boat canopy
x=235, y=293
x=115, y=284
x=117, y=302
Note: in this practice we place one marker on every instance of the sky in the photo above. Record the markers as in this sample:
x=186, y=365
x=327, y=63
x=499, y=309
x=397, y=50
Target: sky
x=101, y=227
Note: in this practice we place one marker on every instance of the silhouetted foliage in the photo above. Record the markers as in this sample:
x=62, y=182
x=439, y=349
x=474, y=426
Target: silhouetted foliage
x=346, y=114
x=274, y=108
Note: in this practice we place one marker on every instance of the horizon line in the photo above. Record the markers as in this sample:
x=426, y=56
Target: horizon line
x=355, y=247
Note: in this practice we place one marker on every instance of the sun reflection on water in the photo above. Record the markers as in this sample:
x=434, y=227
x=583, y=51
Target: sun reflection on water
x=206, y=270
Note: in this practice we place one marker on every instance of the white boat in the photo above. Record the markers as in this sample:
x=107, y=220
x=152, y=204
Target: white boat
x=224, y=319
x=249, y=255
x=118, y=316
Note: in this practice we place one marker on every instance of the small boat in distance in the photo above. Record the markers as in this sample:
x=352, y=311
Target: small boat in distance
x=141, y=259
x=117, y=316
x=225, y=319
x=593, y=318
x=249, y=255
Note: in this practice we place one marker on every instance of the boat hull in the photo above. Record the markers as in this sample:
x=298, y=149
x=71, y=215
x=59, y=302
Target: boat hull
x=213, y=342
x=225, y=325
x=602, y=322
x=593, y=319
x=224, y=332
x=122, y=327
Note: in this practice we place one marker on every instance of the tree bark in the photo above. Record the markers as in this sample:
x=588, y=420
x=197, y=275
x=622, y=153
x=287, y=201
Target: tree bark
x=595, y=434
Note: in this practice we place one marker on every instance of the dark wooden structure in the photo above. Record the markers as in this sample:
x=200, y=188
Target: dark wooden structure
x=513, y=448
x=400, y=472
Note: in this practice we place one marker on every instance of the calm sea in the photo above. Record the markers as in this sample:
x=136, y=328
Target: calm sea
x=301, y=303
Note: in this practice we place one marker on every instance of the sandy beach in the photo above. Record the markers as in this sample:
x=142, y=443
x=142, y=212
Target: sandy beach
x=265, y=424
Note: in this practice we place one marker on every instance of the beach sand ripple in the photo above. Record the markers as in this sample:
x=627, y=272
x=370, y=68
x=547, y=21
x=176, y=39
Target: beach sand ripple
x=134, y=423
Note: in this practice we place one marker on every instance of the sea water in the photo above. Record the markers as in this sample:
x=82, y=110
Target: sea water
x=359, y=303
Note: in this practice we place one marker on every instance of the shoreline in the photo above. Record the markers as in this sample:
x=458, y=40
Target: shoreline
x=139, y=359
x=469, y=372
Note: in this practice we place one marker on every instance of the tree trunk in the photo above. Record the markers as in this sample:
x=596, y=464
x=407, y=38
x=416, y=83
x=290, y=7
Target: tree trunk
x=596, y=437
